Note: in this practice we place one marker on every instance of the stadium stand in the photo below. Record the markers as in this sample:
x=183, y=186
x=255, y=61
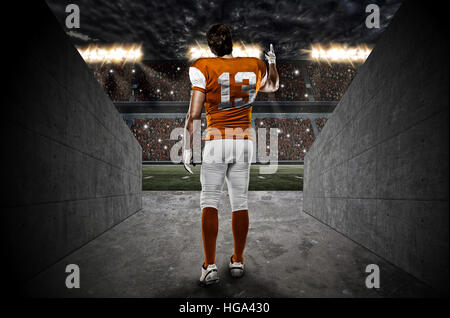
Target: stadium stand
x=330, y=82
x=116, y=80
x=169, y=81
x=295, y=136
x=320, y=123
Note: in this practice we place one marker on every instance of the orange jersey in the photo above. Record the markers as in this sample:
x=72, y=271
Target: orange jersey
x=230, y=86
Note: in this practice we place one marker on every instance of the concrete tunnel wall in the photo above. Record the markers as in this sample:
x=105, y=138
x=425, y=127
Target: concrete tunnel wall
x=73, y=166
x=378, y=172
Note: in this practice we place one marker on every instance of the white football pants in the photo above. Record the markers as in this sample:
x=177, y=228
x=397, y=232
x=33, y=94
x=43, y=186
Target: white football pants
x=226, y=159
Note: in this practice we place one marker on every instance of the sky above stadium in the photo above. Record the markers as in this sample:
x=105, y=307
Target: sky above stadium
x=166, y=29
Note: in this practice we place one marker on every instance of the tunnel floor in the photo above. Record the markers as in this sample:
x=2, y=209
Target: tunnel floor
x=158, y=252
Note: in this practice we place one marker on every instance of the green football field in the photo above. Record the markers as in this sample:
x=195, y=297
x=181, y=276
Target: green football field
x=175, y=177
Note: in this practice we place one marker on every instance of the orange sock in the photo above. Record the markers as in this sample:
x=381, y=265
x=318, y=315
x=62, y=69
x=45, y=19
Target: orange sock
x=210, y=228
x=240, y=230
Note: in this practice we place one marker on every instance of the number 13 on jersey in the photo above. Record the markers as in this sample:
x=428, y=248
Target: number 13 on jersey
x=225, y=95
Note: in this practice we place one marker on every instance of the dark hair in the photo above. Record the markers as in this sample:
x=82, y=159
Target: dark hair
x=219, y=39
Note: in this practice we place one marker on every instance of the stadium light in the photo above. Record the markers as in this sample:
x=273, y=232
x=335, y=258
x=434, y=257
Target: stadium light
x=111, y=54
x=239, y=50
x=339, y=53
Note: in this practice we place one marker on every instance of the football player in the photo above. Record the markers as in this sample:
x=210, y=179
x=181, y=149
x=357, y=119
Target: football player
x=226, y=86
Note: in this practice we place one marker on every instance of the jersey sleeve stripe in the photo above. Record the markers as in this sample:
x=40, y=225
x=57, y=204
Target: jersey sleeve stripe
x=199, y=89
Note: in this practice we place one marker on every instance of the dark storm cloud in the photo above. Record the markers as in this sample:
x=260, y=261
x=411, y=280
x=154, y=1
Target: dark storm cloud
x=167, y=28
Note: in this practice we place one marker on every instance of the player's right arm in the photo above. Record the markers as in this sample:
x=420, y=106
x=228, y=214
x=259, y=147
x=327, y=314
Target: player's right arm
x=194, y=113
x=198, y=80
x=273, y=80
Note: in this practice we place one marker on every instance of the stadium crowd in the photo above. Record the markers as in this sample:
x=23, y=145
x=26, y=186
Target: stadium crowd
x=153, y=134
x=292, y=85
x=320, y=123
x=163, y=81
x=295, y=135
x=116, y=80
x=169, y=81
x=328, y=82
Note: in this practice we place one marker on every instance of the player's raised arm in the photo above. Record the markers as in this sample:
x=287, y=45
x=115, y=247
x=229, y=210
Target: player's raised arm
x=194, y=113
x=273, y=80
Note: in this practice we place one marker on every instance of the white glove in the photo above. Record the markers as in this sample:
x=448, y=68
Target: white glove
x=270, y=56
x=187, y=157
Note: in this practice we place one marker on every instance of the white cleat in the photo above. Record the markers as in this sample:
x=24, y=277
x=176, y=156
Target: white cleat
x=209, y=275
x=236, y=268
